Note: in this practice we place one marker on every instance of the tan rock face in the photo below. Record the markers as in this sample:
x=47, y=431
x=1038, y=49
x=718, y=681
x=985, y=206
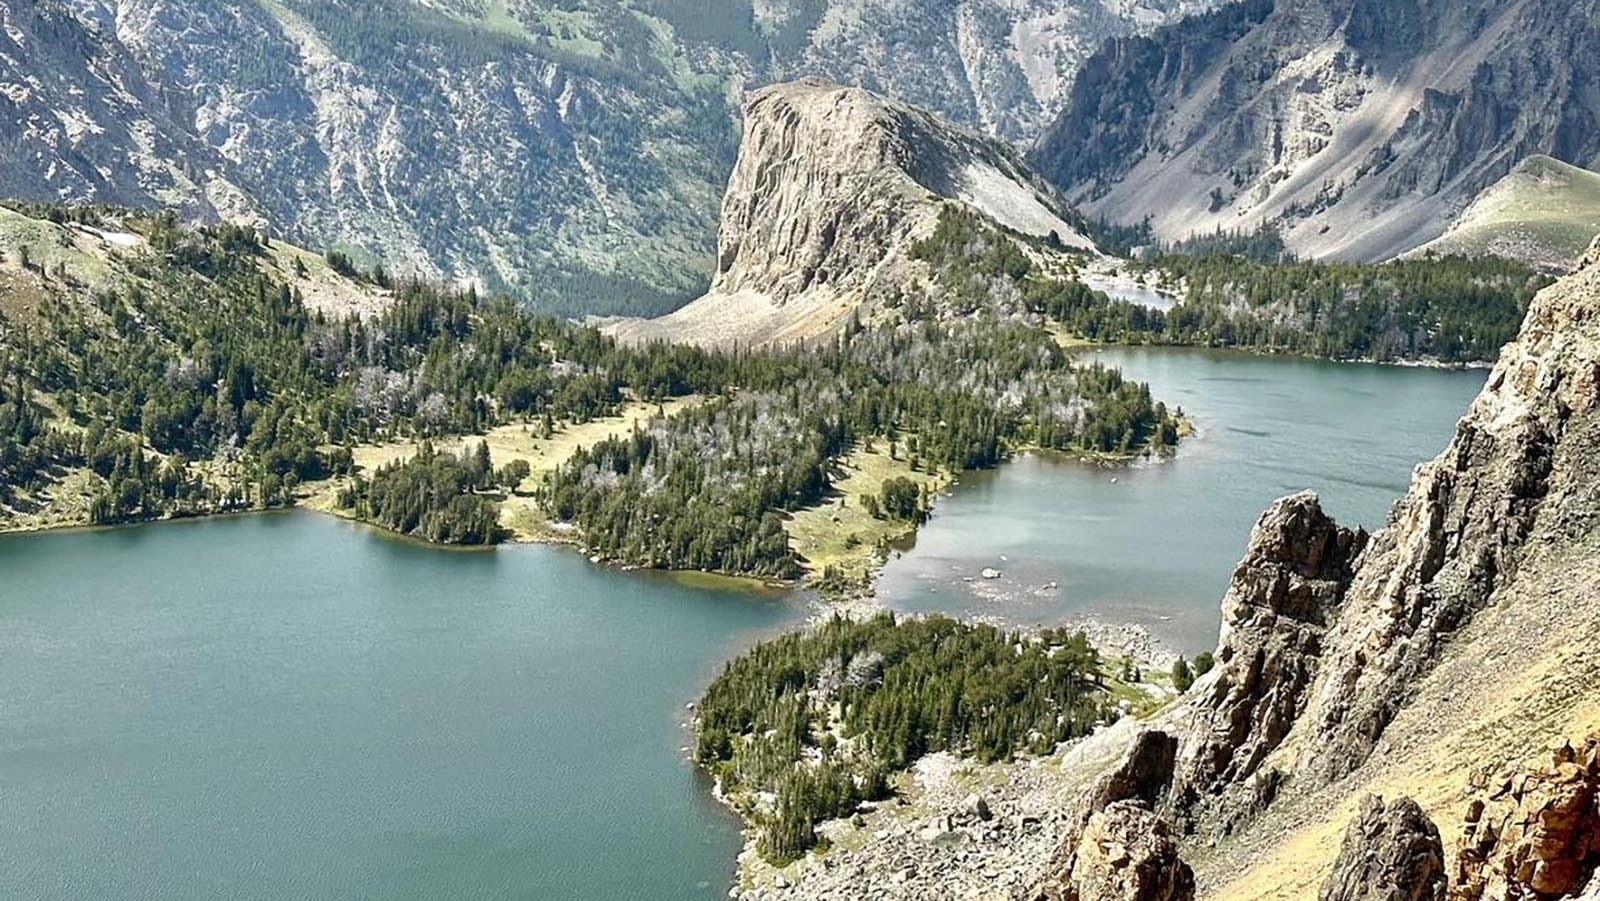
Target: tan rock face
x=1522, y=464
x=1279, y=602
x=820, y=193
x=1533, y=835
x=1126, y=853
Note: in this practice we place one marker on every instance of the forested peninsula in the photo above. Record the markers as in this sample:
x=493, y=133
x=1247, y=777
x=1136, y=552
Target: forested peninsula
x=158, y=370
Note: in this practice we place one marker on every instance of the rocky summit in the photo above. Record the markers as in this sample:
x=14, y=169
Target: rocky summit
x=1360, y=128
x=832, y=186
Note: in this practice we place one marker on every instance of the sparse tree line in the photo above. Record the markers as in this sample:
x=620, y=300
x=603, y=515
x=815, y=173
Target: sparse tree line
x=200, y=364
x=1244, y=291
x=707, y=488
x=822, y=719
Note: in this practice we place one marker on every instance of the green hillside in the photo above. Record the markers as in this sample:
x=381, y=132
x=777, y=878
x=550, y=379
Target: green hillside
x=1545, y=213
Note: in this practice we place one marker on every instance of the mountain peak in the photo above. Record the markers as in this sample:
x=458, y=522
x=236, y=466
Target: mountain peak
x=832, y=186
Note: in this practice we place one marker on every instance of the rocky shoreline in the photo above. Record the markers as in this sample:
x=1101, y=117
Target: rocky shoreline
x=957, y=829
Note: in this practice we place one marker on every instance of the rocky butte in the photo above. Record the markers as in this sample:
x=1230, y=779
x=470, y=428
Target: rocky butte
x=1405, y=715
x=832, y=186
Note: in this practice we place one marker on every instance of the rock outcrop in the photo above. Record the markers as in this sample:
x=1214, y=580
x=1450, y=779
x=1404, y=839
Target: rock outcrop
x=1507, y=517
x=1282, y=597
x=1390, y=852
x=1522, y=462
x=1098, y=857
x=1125, y=853
x=1359, y=127
x=1533, y=835
x=832, y=186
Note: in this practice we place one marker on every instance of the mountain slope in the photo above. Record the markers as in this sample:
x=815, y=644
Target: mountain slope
x=1544, y=214
x=571, y=151
x=1002, y=66
x=1463, y=645
x=1359, y=127
x=1453, y=643
x=85, y=122
x=832, y=187
x=440, y=143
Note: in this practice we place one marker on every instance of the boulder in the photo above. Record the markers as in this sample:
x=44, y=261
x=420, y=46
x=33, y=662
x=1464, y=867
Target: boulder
x=1125, y=853
x=1391, y=852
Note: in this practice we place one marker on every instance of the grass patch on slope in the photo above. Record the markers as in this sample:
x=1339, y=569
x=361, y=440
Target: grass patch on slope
x=842, y=534
x=1545, y=213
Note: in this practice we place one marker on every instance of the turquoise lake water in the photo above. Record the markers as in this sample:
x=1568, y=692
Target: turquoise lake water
x=290, y=706
x=1155, y=543
x=293, y=706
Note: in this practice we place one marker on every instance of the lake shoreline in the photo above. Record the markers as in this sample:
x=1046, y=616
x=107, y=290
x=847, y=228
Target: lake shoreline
x=1079, y=345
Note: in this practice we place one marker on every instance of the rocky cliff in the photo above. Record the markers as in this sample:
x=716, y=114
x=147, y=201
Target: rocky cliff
x=1391, y=852
x=1454, y=638
x=1280, y=603
x=832, y=186
x=1359, y=127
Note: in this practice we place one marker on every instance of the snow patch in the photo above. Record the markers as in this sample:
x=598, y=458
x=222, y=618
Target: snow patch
x=117, y=239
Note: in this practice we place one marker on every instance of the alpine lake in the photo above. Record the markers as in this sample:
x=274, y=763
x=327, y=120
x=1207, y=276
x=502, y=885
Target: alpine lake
x=289, y=705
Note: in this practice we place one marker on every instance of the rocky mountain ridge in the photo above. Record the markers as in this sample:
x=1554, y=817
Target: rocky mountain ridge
x=1359, y=128
x=574, y=152
x=1470, y=547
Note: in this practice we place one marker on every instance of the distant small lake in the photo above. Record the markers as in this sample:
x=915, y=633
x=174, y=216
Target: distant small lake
x=1156, y=543
x=1125, y=288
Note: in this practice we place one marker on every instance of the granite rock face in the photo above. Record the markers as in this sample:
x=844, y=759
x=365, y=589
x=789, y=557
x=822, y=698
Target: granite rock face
x=1282, y=597
x=1390, y=852
x=1359, y=127
x=1124, y=853
x=832, y=187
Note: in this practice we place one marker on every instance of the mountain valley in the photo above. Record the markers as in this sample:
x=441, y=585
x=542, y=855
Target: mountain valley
x=878, y=392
